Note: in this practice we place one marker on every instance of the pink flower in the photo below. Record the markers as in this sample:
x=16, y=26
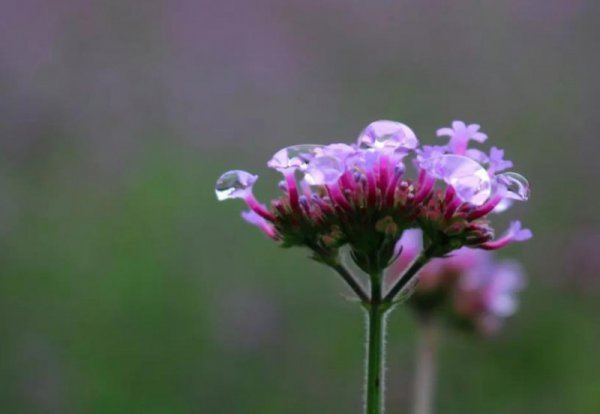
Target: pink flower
x=362, y=194
x=515, y=233
x=460, y=134
x=468, y=289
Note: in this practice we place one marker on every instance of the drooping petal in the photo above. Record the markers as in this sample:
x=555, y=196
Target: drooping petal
x=258, y=221
x=515, y=233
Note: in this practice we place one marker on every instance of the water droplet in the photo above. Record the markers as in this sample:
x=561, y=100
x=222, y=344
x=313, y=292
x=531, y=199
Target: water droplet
x=388, y=135
x=324, y=170
x=295, y=157
x=362, y=161
x=470, y=180
x=234, y=184
x=517, y=186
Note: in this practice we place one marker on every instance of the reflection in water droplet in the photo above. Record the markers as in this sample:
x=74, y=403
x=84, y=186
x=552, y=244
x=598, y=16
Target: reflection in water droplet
x=296, y=157
x=324, y=170
x=388, y=134
x=517, y=186
x=234, y=184
x=468, y=178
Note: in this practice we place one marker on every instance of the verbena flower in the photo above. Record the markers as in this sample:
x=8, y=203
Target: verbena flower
x=366, y=194
x=469, y=289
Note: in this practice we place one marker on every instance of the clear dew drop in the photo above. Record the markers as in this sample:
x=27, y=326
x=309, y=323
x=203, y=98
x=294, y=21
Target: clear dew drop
x=362, y=161
x=295, y=157
x=234, y=184
x=517, y=186
x=387, y=135
x=324, y=170
x=470, y=180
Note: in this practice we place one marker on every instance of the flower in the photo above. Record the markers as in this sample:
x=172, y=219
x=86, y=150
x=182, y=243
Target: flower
x=468, y=290
x=260, y=222
x=515, y=233
x=460, y=134
x=364, y=196
x=497, y=162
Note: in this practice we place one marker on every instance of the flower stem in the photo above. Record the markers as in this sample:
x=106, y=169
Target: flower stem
x=375, y=349
x=425, y=374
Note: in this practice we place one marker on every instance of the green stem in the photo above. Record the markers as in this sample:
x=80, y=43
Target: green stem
x=375, y=349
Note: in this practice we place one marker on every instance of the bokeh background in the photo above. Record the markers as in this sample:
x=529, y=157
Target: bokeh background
x=126, y=288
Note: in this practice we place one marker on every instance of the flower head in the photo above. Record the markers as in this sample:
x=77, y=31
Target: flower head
x=460, y=134
x=468, y=289
x=365, y=195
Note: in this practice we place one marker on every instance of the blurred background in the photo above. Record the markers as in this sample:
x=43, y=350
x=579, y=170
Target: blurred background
x=126, y=288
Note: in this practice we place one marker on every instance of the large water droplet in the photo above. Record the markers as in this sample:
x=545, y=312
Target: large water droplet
x=324, y=170
x=388, y=134
x=362, y=160
x=234, y=184
x=517, y=186
x=295, y=157
x=468, y=178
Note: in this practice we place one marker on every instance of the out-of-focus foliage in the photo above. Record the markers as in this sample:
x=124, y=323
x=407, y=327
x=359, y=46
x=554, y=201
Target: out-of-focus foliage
x=125, y=287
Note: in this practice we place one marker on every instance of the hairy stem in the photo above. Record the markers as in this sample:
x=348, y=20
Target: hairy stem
x=425, y=373
x=376, y=310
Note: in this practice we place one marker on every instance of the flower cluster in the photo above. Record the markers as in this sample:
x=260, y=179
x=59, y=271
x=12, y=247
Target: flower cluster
x=366, y=194
x=469, y=289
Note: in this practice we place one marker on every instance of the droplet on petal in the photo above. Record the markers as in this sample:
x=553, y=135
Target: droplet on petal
x=469, y=179
x=295, y=157
x=517, y=186
x=388, y=134
x=324, y=170
x=362, y=161
x=429, y=152
x=234, y=184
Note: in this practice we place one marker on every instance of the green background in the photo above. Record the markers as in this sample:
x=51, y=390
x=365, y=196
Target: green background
x=126, y=288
